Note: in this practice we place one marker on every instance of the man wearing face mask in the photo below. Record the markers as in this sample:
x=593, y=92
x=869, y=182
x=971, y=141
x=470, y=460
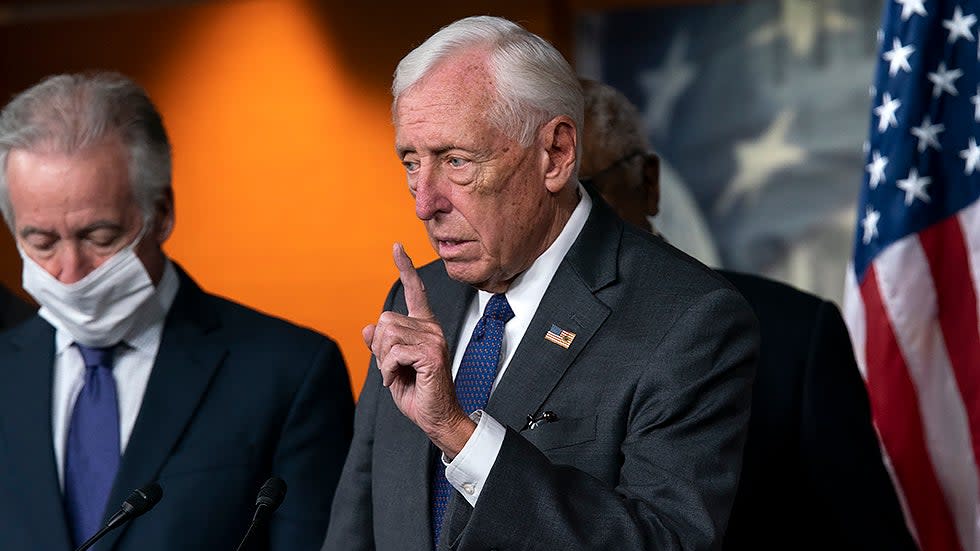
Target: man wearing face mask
x=130, y=373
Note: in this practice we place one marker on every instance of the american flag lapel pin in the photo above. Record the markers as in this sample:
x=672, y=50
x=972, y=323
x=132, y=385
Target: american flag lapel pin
x=559, y=336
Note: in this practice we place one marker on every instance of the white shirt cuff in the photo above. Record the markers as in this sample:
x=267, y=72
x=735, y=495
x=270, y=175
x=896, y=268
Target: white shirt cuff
x=469, y=471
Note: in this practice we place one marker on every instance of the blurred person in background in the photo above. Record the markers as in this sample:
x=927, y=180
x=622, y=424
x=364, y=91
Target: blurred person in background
x=813, y=476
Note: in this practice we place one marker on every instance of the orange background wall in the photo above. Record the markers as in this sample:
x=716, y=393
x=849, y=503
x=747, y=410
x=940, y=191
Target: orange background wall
x=288, y=192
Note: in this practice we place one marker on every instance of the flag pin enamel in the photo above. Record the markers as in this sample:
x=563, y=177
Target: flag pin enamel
x=559, y=336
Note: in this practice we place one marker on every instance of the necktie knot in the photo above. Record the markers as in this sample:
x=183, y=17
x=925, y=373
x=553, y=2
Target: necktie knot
x=96, y=356
x=498, y=308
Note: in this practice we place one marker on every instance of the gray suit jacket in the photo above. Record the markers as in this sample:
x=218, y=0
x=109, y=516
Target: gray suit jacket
x=651, y=397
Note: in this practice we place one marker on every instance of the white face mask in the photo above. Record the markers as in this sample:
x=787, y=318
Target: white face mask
x=98, y=309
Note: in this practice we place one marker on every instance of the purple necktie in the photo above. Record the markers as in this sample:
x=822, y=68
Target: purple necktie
x=474, y=379
x=92, y=450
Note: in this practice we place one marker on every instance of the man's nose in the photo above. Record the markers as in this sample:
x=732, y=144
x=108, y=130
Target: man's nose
x=69, y=264
x=430, y=194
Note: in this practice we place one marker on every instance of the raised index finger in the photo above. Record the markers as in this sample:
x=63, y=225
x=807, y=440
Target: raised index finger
x=415, y=297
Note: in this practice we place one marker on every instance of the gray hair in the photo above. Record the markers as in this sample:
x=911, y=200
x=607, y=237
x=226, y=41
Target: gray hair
x=68, y=113
x=612, y=123
x=533, y=81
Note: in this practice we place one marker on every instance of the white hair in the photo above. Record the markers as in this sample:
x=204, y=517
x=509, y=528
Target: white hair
x=532, y=80
x=68, y=113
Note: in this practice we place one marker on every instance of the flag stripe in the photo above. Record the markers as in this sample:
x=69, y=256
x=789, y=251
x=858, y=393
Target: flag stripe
x=909, y=298
x=945, y=247
x=854, y=315
x=896, y=413
x=970, y=222
x=856, y=324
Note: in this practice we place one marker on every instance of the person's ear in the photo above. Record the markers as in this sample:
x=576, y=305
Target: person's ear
x=651, y=182
x=164, y=217
x=559, y=141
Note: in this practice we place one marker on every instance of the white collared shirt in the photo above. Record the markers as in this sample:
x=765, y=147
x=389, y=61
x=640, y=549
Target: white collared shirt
x=470, y=469
x=132, y=364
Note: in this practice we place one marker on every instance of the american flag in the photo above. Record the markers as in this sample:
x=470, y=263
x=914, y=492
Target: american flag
x=911, y=294
x=559, y=336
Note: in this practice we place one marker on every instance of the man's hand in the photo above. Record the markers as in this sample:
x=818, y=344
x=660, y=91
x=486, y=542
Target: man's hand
x=412, y=355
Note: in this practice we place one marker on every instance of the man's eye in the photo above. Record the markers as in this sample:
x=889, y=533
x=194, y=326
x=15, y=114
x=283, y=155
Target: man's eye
x=102, y=238
x=410, y=166
x=40, y=243
x=456, y=162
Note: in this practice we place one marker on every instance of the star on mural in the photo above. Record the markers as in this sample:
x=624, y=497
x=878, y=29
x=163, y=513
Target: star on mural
x=665, y=84
x=799, y=24
x=757, y=160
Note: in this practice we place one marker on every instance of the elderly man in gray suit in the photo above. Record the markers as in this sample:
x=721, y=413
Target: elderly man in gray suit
x=557, y=380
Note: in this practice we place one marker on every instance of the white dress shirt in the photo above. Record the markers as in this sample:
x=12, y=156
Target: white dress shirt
x=132, y=364
x=470, y=469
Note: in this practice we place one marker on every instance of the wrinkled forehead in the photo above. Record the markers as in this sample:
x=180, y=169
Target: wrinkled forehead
x=444, y=115
x=102, y=166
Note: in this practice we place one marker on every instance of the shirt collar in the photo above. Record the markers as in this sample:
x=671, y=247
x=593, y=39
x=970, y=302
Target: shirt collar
x=146, y=332
x=526, y=291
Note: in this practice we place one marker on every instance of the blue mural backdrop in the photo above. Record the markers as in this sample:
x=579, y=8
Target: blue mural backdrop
x=759, y=111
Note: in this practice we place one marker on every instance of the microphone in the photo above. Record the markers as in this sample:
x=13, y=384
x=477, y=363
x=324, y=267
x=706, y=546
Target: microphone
x=138, y=502
x=269, y=499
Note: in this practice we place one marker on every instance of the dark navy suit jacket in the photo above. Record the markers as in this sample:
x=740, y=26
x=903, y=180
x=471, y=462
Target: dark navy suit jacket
x=13, y=310
x=813, y=476
x=234, y=397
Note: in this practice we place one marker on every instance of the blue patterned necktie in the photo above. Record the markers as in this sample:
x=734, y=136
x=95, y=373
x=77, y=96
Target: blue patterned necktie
x=474, y=379
x=92, y=449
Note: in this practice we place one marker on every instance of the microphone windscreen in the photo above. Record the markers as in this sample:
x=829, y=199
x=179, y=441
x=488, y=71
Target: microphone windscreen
x=272, y=493
x=143, y=499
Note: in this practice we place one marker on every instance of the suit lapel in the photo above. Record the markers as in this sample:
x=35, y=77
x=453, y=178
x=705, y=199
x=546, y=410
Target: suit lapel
x=25, y=426
x=538, y=364
x=186, y=361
